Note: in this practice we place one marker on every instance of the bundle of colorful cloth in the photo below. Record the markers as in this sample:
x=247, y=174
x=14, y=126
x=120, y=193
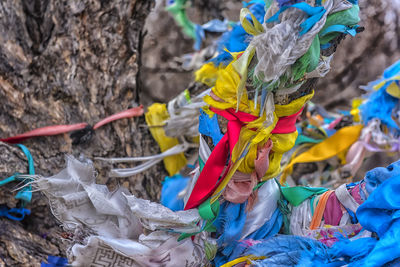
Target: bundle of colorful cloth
x=332, y=147
x=237, y=207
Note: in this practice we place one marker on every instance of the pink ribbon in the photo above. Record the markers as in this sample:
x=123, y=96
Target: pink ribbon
x=241, y=185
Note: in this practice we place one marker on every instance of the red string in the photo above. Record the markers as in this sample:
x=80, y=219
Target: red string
x=44, y=131
x=129, y=113
x=60, y=129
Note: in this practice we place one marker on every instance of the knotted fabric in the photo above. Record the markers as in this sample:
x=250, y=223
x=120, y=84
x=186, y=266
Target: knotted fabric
x=213, y=169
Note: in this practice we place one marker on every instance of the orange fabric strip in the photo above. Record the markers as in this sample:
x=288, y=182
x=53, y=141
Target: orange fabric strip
x=319, y=211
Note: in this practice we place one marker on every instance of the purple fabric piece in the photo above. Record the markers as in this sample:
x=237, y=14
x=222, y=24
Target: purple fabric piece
x=287, y=2
x=332, y=213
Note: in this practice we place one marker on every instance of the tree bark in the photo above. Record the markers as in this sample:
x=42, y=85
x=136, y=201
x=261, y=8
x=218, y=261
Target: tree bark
x=65, y=62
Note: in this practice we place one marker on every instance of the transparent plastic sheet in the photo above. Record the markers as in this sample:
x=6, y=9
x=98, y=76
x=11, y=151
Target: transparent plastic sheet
x=154, y=216
x=324, y=66
x=281, y=45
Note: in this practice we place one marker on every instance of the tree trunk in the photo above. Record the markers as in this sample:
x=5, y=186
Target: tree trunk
x=65, y=62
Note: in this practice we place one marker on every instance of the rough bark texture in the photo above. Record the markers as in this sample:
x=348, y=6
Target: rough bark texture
x=162, y=74
x=64, y=62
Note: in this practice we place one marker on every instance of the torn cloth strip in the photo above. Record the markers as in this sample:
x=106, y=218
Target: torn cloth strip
x=16, y=214
x=209, y=126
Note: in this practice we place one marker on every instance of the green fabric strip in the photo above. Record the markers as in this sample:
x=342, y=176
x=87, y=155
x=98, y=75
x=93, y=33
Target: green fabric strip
x=297, y=194
x=201, y=164
x=305, y=139
x=209, y=213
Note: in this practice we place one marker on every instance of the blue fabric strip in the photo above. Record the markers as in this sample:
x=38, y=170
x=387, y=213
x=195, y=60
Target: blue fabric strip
x=16, y=214
x=171, y=187
x=314, y=13
x=25, y=194
x=339, y=28
x=210, y=127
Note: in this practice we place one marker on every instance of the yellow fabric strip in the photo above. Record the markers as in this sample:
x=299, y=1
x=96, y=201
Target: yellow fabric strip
x=156, y=115
x=241, y=65
x=292, y=107
x=382, y=83
x=328, y=148
x=393, y=90
x=246, y=259
x=355, y=112
x=247, y=26
x=207, y=74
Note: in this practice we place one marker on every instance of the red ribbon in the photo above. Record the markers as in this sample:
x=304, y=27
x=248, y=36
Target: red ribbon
x=287, y=124
x=208, y=181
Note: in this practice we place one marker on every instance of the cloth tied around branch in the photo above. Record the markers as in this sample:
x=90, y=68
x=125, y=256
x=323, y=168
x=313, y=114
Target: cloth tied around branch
x=241, y=185
x=246, y=132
